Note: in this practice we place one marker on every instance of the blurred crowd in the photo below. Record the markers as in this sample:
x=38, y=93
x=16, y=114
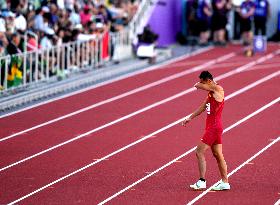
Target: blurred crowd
x=48, y=23
x=34, y=24
x=206, y=17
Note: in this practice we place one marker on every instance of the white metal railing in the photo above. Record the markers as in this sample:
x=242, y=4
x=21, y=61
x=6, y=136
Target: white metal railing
x=28, y=68
x=141, y=17
x=27, y=45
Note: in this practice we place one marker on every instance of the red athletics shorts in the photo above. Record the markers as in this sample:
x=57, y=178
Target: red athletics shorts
x=212, y=136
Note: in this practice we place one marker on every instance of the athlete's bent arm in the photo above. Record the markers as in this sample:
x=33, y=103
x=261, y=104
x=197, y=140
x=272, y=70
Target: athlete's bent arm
x=206, y=87
x=200, y=110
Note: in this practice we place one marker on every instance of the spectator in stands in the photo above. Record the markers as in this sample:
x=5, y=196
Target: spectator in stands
x=148, y=36
x=15, y=3
x=146, y=44
x=53, y=14
x=104, y=14
x=56, y=22
x=2, y=64
x=262, y=12
x=62, y=16
x=77, y=32
x=198, y=16
x=14, y=76
x=14, y=44
x=39, y=23
x=70, y=4
x=99, y=28
x=2, y=24
x=60, y=4
x=246, y=12
x=121, y=14
x=191, y=17
x=60, y=37
x=4, y=39
x=46, y=41
x=74, y=16
x=2, y=49
x=220, y=20
x=32, y=44
x=3, y=4
x=64, y=20
x=20, y=20
x=85, y=15
x=30, y=17
x=10, y=22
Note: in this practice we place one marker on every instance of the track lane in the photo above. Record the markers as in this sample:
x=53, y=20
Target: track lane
x=78, y=159
x=55, y=109
x=23, y=160
x=119, y=97
x=27, y=144
x=255, y=182
x=170, y=186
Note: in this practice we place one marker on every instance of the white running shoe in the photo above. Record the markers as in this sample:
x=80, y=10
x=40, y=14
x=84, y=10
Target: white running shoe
x=221, y=186
x=199, y=185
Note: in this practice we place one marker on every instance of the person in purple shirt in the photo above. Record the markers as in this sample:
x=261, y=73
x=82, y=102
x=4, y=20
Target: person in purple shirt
x=198, y=16
x=262, y=12
x=246, y=12
x=219, y=20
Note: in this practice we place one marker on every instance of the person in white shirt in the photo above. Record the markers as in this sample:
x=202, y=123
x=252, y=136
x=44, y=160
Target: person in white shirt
x=2, y=25
x=20, y=22
x=74, y=15
x=46, y=41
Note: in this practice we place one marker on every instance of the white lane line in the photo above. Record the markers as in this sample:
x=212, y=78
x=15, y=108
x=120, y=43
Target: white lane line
x=136, y=90
x=200, y=67
x=235, y=170
x=188, y=152
x=151, y=68
x=132, y=144
x=277, y=202
x=265, y=66
x=252, y=85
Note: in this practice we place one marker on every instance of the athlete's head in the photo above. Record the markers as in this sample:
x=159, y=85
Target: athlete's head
x=205, y=77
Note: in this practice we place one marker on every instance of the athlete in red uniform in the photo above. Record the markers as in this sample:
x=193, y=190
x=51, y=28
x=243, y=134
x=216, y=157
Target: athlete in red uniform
x=212, y=137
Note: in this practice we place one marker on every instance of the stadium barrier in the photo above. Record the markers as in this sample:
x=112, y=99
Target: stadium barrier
x=29, y=68
x=141, y=18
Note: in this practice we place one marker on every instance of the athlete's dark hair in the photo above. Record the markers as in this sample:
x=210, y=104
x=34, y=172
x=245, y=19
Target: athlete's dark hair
x=205, y=75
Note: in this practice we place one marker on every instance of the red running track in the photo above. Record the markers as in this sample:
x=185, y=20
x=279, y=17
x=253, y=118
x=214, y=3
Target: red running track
x=64, y=130
x=23, y=145
x=106, y=178
x=170, y=186
x=57, y=108
x=39, y=115
x=130, y=165
x=260, y=178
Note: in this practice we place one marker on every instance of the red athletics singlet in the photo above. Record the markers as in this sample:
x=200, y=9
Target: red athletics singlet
x=214, y=128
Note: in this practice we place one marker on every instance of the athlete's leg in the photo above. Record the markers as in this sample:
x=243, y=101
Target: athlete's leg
x=200, y=154
x=221, y=35
x=216, y=36
x=218, y=154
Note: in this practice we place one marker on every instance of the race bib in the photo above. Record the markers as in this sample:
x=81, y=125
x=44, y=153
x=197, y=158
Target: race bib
x=208, y=108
